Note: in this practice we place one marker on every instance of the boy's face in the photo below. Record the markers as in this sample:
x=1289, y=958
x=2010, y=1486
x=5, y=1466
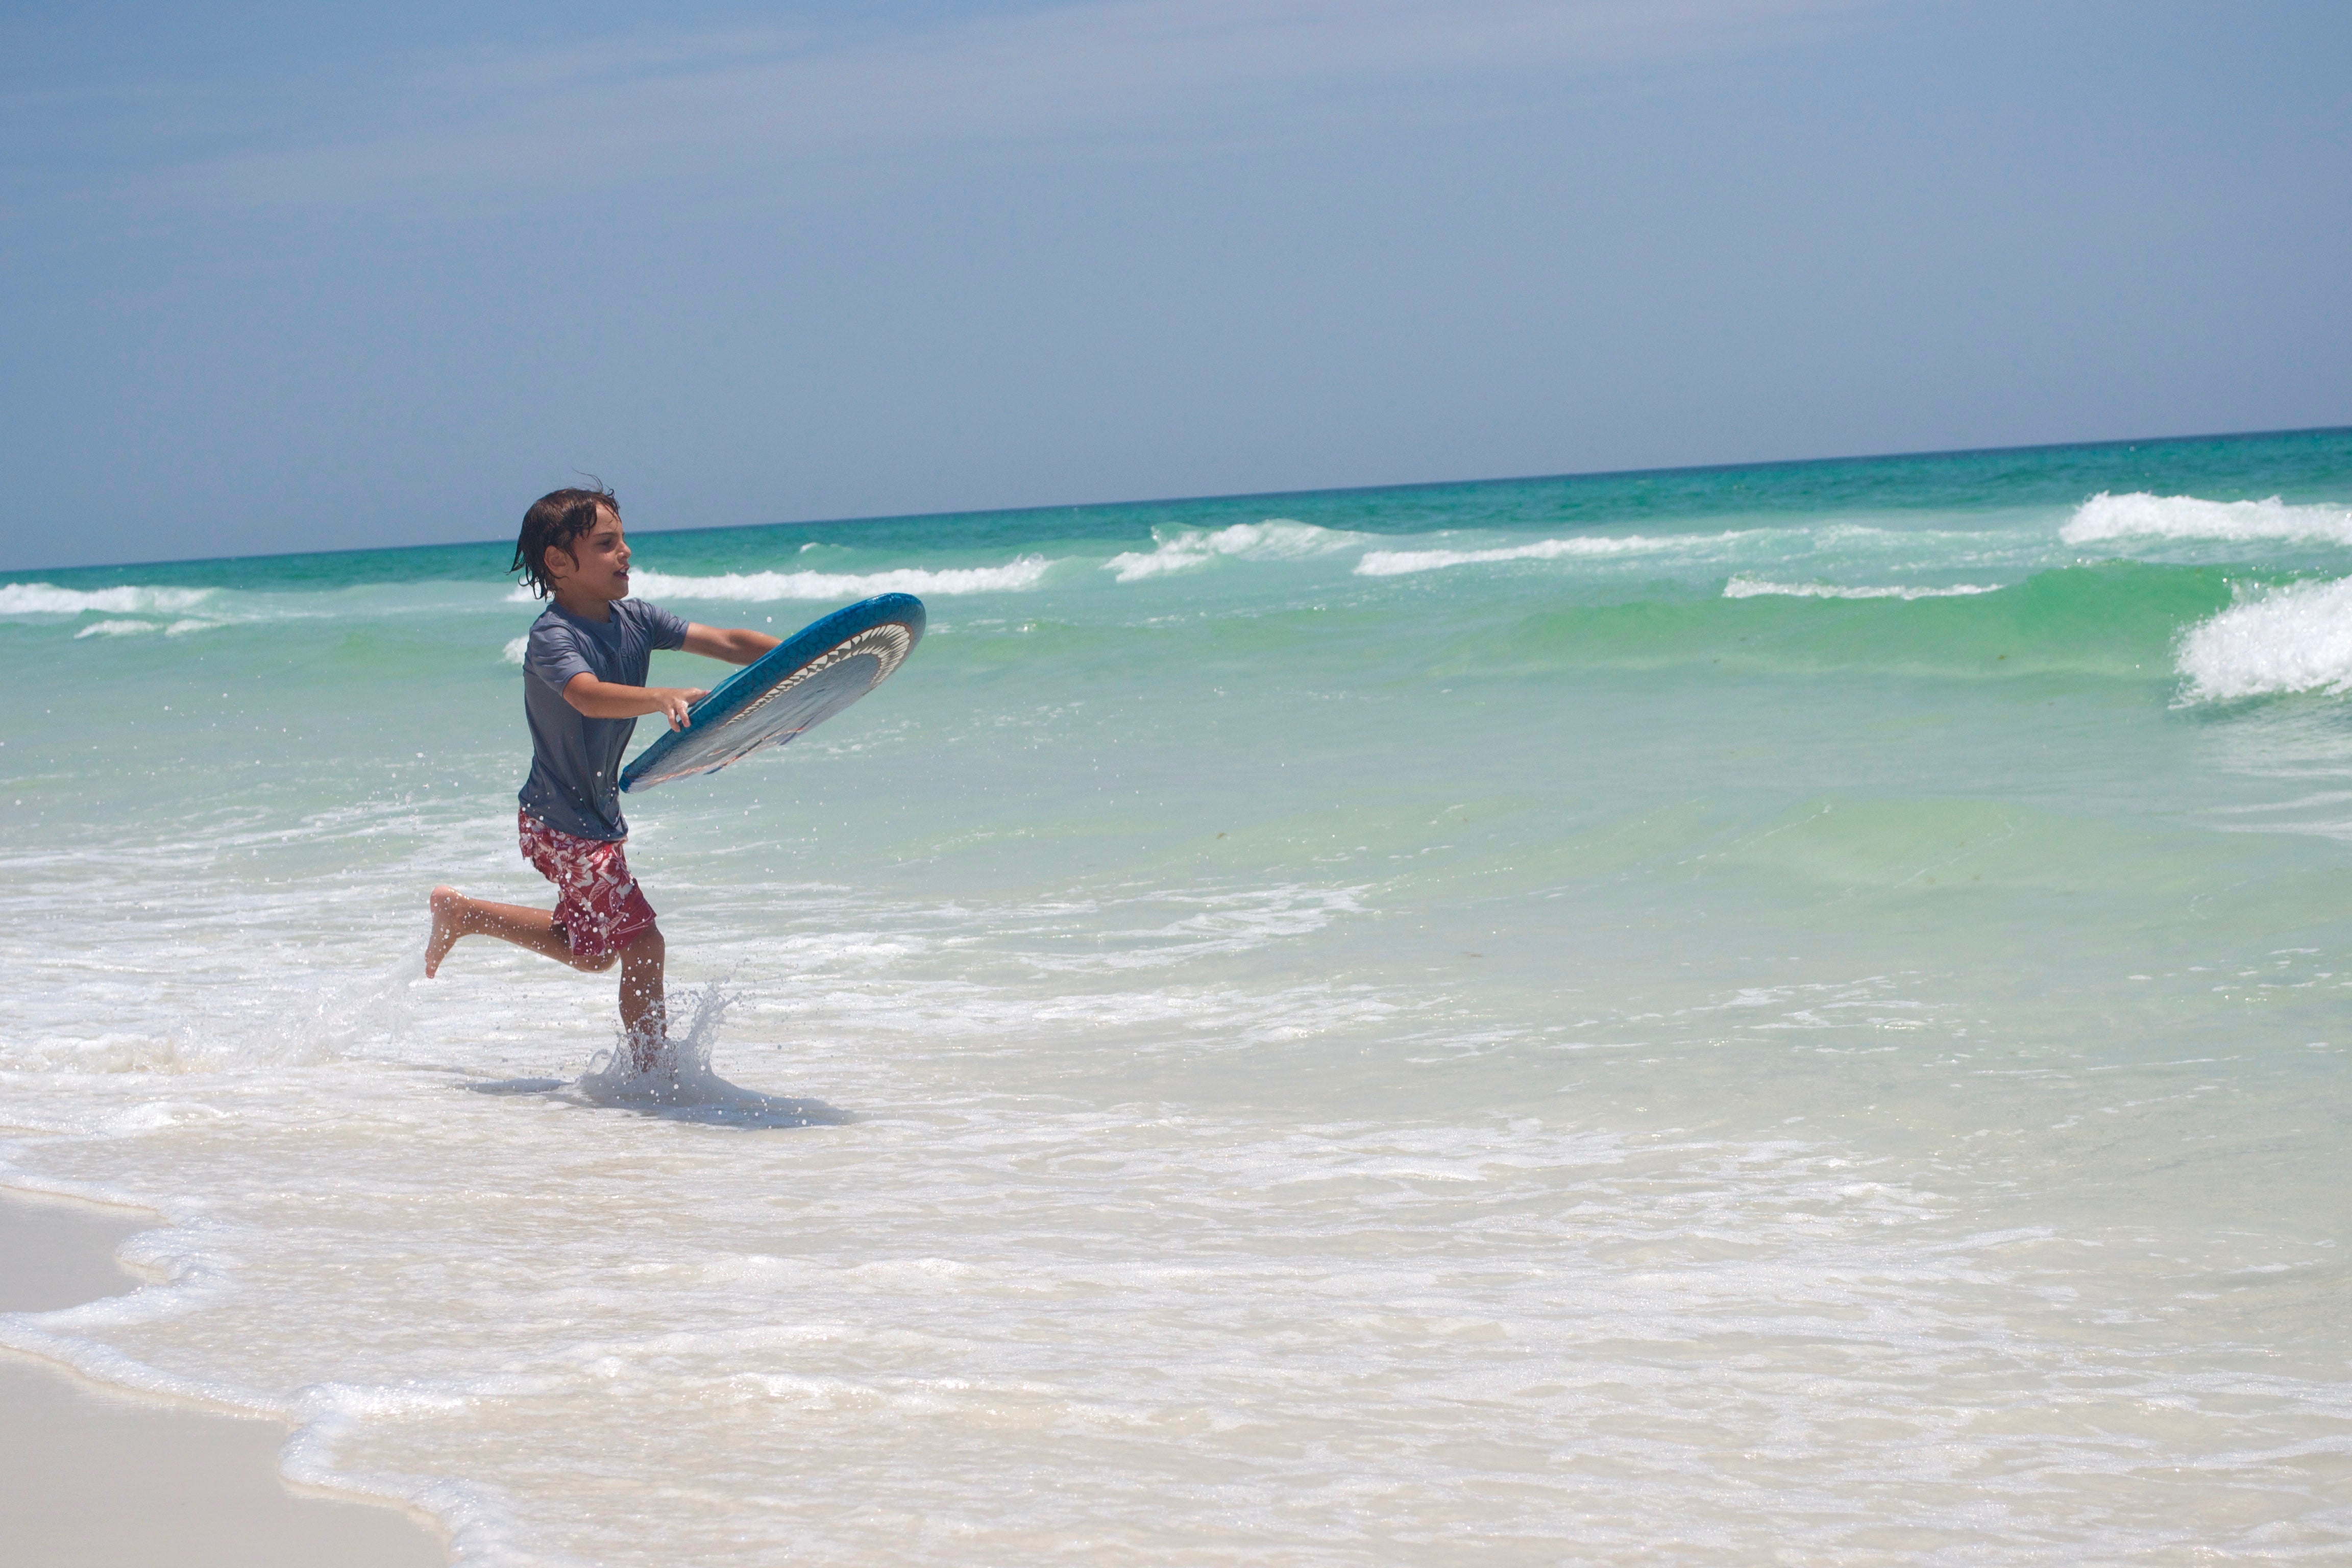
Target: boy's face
x=596, y=567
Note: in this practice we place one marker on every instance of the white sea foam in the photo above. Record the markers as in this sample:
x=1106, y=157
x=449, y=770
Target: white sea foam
x=1745, y=587
x=42, y=599
x=1201, y=923
x=178, y=628
x=2139, y=515
x=763, y=587
x=2294, y=638
x=514, y=650
x=1182, y=549
x=1397, y=562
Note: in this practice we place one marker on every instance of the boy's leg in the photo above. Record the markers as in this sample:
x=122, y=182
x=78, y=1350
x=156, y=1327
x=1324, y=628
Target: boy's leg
x=456, y=915
x=643, y=1018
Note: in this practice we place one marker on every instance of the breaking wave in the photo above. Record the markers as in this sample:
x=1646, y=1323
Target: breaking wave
x=1397, y=562
x=133, y=629
x=1182, y=549
x=1745, y=587
x=1025, y=572
x=42, y=599
x=2294, y=638
x=2139, y=515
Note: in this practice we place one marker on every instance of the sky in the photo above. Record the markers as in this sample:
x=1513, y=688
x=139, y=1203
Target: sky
x=278, y=276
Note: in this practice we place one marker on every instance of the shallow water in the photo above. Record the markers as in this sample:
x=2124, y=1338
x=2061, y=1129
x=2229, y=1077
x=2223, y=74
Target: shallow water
x=1782, y=1014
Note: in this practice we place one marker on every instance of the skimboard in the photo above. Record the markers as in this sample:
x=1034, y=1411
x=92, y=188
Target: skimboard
x=798, y=684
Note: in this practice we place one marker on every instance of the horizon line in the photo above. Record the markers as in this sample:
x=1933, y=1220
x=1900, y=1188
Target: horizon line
x=9, y=573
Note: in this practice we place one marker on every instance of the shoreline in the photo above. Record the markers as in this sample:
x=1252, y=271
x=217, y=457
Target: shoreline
x=96, y=1476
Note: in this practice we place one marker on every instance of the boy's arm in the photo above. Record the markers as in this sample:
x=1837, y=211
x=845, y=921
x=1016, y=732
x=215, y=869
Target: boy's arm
x=604, y=700
x=740, y=646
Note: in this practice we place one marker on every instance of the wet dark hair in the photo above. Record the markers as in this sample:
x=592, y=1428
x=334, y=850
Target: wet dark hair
x=554, y=520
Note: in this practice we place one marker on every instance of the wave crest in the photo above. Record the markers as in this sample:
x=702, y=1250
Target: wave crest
x=2294, y=638
x=43, y=599
x=2140, y=515
x=1182, y=549
x=1397, y=562
x=762, y=587
x=1745, y=587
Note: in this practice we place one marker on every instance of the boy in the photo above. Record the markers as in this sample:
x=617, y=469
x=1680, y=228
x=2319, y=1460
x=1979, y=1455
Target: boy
x=584, y=688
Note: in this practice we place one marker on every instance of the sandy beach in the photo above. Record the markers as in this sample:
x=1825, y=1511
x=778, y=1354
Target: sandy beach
x=96, y=1478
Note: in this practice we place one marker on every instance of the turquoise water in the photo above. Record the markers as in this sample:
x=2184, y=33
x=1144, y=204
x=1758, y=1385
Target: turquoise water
x=1774, y=1014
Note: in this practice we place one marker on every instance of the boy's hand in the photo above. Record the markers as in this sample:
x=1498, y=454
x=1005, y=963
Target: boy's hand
x=675, y=701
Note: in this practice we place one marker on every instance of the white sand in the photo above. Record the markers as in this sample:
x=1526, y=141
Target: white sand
x=90, y=1478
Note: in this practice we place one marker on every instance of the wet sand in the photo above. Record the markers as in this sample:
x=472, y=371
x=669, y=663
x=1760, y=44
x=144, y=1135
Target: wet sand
x=94, y=1478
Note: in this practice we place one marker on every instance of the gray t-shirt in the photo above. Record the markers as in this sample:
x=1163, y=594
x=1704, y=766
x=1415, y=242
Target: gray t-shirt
x=575, y=761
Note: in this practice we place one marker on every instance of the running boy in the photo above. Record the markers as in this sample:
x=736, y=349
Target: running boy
x=584, y=688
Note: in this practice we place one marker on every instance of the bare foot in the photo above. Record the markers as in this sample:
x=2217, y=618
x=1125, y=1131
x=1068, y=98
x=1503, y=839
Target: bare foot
x=448, y=907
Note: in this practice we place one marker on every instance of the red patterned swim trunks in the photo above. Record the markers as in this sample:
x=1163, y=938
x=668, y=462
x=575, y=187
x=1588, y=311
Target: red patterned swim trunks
x=597, y=905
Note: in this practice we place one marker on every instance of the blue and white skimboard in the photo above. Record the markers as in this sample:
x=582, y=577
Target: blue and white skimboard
x=793, y=687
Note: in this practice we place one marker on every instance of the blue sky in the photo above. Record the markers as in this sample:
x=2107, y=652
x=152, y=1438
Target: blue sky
x=278, y=277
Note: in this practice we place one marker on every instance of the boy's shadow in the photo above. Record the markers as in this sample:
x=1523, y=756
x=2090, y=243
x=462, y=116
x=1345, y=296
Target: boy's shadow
x=711, y=1102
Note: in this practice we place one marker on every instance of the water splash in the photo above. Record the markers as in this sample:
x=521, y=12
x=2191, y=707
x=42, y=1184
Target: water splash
x=678, y=1083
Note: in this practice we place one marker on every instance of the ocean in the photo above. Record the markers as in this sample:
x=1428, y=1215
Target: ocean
x=1785, y=1014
